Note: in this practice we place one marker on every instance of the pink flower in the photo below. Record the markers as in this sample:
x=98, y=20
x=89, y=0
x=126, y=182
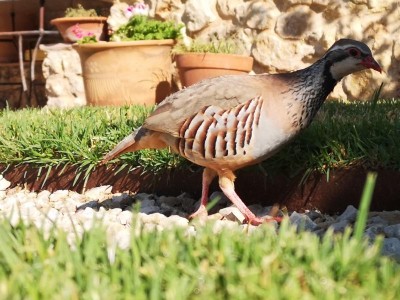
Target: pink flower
x=80, y=33
x=77, y=31
x=139, y=8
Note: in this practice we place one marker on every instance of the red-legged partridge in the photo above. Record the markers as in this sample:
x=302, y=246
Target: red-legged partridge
x=229, y=122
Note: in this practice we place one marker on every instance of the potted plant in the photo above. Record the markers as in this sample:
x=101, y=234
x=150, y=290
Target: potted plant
x=80, y=22
x=135, y=66
x=202, y=60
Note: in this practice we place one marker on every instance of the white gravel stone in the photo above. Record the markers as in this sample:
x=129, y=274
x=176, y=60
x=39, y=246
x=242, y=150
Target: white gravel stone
x=247, y=228
x=155, y=218
x=45, y=195
x=52, y=214
x=88, y=224
x=190, y=231
x=86, y=214
x=149, y=227
x=174, y=221
x=98, y=193
x=232, y=213
x=115, y=211
x=220, y=225
x=71, y=211
x=59, y=195
x=125, y=217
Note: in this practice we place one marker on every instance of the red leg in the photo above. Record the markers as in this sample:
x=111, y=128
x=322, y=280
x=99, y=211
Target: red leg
x=227, y=186
x=208, y=176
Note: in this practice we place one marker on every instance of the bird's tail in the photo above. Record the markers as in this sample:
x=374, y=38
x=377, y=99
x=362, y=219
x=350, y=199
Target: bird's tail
x=128, y=144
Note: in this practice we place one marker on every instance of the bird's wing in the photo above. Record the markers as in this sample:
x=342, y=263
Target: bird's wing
x=223, y=92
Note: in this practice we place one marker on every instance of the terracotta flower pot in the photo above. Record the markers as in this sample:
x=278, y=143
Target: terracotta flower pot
x=126, y=73
x=194, y=67
x=67, y=27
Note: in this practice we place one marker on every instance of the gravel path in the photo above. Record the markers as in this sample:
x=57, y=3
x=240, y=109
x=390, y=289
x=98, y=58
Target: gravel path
x=74, y=212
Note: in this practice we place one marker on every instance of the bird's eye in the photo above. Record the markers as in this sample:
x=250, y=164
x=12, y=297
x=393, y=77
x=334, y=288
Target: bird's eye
x=354, y=52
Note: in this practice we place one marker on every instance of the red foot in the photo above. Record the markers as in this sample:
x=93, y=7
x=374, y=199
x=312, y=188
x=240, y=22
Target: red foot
x=201, y=212
x=258, y=221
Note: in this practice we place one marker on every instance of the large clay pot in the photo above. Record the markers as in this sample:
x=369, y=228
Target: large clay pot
x=125, y=73
x=194, y=67
x=94, y=25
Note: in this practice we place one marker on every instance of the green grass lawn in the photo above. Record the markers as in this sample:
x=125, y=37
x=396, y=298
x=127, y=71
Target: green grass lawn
x=342, y=135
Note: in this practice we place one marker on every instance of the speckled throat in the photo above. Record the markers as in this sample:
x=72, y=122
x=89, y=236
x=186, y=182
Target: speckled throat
x=309, y=86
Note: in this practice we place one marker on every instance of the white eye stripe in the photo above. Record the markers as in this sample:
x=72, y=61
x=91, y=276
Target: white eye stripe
x=337, y=47
x=347, y=47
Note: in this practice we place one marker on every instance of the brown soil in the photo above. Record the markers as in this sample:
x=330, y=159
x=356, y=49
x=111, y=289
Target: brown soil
x=343, y=188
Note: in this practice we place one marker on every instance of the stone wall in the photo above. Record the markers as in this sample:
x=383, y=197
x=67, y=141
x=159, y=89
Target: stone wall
x=282, y=36
x=285, y=35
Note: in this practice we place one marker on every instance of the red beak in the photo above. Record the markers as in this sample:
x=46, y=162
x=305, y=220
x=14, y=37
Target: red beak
x=370, y=63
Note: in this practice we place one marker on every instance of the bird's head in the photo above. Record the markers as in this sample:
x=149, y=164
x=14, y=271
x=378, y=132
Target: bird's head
x=348, y=56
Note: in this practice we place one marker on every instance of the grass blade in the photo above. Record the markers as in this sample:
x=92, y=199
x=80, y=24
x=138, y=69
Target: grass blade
x=364, y=205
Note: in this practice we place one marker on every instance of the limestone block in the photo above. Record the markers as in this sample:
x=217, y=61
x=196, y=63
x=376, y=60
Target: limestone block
x=338, y=93
x=327, y=39
x=380, y=5
x=261, y=15
x=229, y=8
x=71, y=63
x=245, y=38
x=300, y=23
x=391, y=17
x=60, y=58
x=396, y=50
x=76, y=86
x=320, y=5
x=285, y=5
x=241, y=14
x=352, y=26
x=335, y=10
x=280, y=55
x=375, y=5
x=51, y=65
x=57, y=85
x=360, y=86
x=219, y=29
x=198, y=14
x=167, y=9
x=118, y=16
